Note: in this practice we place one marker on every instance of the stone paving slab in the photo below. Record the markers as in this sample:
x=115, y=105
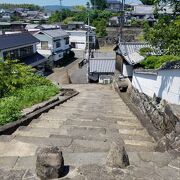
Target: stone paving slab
x=16, y=148
x=8, y=162
x=45, y=141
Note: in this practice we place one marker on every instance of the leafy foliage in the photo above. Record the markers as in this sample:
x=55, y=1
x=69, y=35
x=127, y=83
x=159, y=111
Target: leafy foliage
x=31, y=7
x=148, y=2
x=59, y=16
x=98, y=18
x=20, y=88
x=165, y=35
x=145, y=51
x=99, y=4
x=155, y=62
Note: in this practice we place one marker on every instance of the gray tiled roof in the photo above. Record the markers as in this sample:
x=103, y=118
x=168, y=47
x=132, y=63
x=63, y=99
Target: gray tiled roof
x=16, y=40
x=55, y=32
x=34, y=59
x=130, y=51
x=102, y=65
x=171, y=65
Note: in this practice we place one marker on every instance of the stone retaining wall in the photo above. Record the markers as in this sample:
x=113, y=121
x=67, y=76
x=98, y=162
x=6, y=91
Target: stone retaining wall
x=161, y=116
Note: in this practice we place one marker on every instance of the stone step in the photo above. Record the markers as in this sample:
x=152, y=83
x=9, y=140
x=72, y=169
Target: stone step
x=134, y=148
x=89, y=146
x=129, y=123
x=33, y=131
x=138, y=143
x=90, y=123
x=17, y=148
x=46, y=124
x=134, y=132
x=71, y=159
x=45, y=141
x=136, y=137
x=64, y=130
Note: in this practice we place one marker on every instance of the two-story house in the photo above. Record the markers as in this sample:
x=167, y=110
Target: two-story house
x=54, y=44
x=79, y=39
x=21, y=46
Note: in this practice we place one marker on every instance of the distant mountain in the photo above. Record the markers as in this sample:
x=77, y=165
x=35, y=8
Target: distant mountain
x=56, y=7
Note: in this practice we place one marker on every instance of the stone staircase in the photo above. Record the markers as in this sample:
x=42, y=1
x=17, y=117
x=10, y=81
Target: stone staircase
x=82, y=127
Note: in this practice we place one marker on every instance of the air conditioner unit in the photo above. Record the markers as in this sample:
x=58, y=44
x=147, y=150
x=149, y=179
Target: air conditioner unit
x=106, y=81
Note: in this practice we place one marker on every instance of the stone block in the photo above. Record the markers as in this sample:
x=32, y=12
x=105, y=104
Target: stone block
x=117, y=156
x=49, y=163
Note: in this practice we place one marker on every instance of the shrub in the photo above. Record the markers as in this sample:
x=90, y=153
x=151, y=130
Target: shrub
x=145, y=51
x=155, y=62
x=21, y=88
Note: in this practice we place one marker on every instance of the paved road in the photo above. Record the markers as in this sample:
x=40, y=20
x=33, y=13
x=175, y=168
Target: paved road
x=82, y=127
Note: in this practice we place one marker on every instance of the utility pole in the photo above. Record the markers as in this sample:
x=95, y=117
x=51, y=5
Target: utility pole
x=88, y=47
x=88, y=32
x=121, y=19
x=60, y=3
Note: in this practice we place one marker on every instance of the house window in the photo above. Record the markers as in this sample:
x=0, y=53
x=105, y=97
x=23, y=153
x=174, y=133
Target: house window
x=58, y=44
x=26, y=51
x=13, y=54
x=66, y=41
x=44, y=45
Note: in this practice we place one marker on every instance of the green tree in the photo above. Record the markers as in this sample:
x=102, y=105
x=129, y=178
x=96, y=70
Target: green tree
x=13, y=75
x=59, y=16
x=79, y=8
x=165, y=35
x=148, y=2
x=99, y=4
x=100, y=27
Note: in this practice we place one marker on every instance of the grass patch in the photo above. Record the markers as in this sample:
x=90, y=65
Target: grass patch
x=155, y=62
x=11, y=106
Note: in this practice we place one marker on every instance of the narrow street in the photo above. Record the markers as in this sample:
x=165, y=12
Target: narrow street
x=82, y=128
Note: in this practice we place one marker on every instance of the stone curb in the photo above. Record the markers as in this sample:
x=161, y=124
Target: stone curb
x=26, y=119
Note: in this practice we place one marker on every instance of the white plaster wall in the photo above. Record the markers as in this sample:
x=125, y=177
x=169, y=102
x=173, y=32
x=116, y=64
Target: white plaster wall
x=127, y=70
x=165, y=85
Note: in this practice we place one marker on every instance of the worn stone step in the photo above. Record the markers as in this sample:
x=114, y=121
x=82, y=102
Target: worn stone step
x=90, y=123
x=132, y=132
x=46, y=124
x=134, y=148
x=64, y=130
x=129, y=123
x=6, y=138
x=71, y=159
x=136, y=137
x=33, y=131
x=138, y=143
x=89, y=146
x=81, y=131
x=17, y=148
x=45, y=141
x=8, y=162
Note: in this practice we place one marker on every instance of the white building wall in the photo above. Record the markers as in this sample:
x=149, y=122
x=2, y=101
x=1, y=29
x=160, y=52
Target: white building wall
x=166, y=84
x=127, y=70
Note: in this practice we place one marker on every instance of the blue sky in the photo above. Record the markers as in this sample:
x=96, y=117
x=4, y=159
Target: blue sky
x=54, y=2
